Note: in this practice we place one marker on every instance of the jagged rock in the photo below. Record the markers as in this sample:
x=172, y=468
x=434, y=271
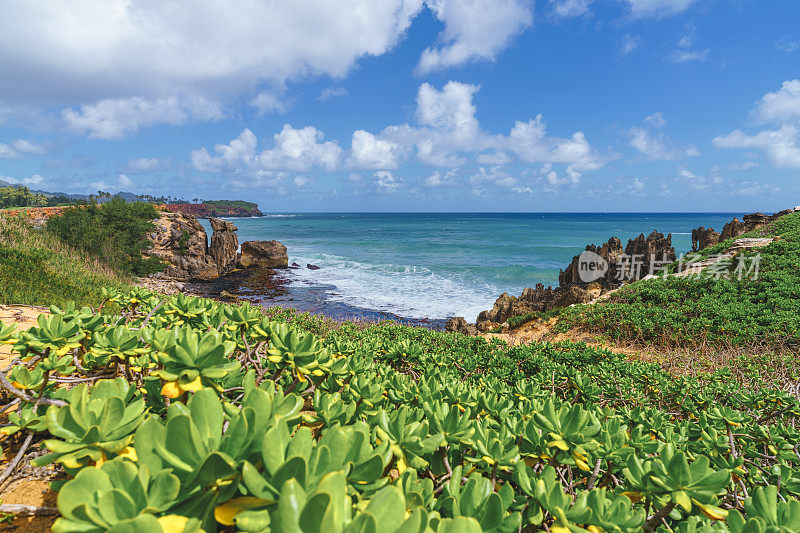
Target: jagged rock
x=737, y=227
x=311, y=267
x=610, y=252
x=460, y=325
x=703, y=238
x=224, y=244
x=655, y=252
x=180, y=242
x=263, y=254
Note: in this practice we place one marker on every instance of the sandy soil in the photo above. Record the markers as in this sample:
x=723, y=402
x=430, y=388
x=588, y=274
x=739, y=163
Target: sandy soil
x=24, y=317
x=26, y=490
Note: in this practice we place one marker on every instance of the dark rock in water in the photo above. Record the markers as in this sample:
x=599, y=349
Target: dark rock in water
x=460, y=325
x=224, y=244
x=263, y=254
x=295, y=265
x=311, y=267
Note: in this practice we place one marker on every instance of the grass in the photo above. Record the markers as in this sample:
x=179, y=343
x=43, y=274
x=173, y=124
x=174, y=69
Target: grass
x=37, y=268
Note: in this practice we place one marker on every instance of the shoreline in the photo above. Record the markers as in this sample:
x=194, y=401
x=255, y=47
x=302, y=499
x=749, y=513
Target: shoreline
x=282, y=288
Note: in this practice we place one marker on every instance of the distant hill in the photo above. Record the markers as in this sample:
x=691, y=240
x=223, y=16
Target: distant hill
x=218, y=208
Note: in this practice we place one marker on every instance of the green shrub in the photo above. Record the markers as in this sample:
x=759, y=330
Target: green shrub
x=114, y=232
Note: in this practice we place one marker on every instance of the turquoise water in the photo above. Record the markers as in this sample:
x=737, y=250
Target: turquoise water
x=423, y=265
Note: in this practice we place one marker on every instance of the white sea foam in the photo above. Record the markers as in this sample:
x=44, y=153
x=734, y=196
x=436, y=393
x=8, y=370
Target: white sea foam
x=405, y=290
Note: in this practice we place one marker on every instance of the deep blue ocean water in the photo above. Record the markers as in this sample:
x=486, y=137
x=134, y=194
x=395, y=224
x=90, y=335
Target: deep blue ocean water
x=438, y=265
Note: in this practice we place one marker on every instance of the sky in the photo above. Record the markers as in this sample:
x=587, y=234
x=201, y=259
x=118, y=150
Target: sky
x=408, y=105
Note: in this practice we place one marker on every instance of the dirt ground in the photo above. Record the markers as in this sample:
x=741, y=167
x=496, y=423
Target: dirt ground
x=27, y=490
x=540, y=330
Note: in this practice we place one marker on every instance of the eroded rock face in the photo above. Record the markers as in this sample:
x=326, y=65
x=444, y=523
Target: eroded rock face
x=460, y=325
x=263, y=254
x=649, y=252
x=703, y=238
x=736, y=227
x=224, y=244
x=179, y=241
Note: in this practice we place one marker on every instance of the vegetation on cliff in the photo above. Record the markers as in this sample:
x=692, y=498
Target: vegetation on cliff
x=21, y=196
x=190, y=414
x=114, y=232
x=217, y=208
x=714, y=306
x=38, y=268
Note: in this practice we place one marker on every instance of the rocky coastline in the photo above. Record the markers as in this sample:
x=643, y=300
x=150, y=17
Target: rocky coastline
x=654, y=250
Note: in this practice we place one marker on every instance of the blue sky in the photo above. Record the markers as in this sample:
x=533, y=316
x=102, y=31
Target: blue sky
x=408, y=105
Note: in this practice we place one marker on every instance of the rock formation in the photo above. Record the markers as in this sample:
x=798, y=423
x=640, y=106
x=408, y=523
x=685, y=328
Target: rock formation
x=460, y=325
x=703, y=238
x=648, y=253
x=263, y=254
x=179, y=241
x=224, y=244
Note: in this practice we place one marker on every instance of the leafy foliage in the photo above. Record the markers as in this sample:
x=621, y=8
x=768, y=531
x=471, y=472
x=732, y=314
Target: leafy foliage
x=113, y=231
x=686, y=311
x=204, y=416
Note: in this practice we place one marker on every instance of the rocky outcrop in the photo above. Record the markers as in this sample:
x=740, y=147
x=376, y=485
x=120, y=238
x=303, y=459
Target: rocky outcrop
x=224, y=244
x=460, y=325
x=179, y=241
x=615, y=265
x=703, y=238
x=263, y=254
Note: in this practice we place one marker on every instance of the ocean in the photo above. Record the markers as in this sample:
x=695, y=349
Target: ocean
x=437, y=265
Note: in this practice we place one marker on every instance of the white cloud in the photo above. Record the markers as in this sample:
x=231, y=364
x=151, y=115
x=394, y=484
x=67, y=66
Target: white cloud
x=531, y=144
x=781, y=106
x=153, y=48
x=689, y=180
x=570, y=8
x=301, y=182
x=653, y=144
x=144, y=164
x=269, y=102
x=781, y=146
x=124, y=181
x=494, y=158
x=474, y=30
x=114, y=119
x=331, y=92
x=439, y=179
x=19, y=148
x=494, y=176
x=387, y=182
x=294, y=149
x=657, y=8
x=369, y=152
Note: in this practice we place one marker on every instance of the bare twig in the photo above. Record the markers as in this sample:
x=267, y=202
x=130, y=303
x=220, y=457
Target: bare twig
x=17, y=458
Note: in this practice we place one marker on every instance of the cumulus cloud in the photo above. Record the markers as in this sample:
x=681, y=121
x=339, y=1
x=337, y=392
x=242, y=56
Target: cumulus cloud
x=447, y=134
x=113, y=119
x=269, y=102
x=657, y=8
x=369, y=152
x=293, y=149
x=19, y=148
x=653, y=143
x=474, y=30
x=387, y=182
x=780, y=144
x=781, y=106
